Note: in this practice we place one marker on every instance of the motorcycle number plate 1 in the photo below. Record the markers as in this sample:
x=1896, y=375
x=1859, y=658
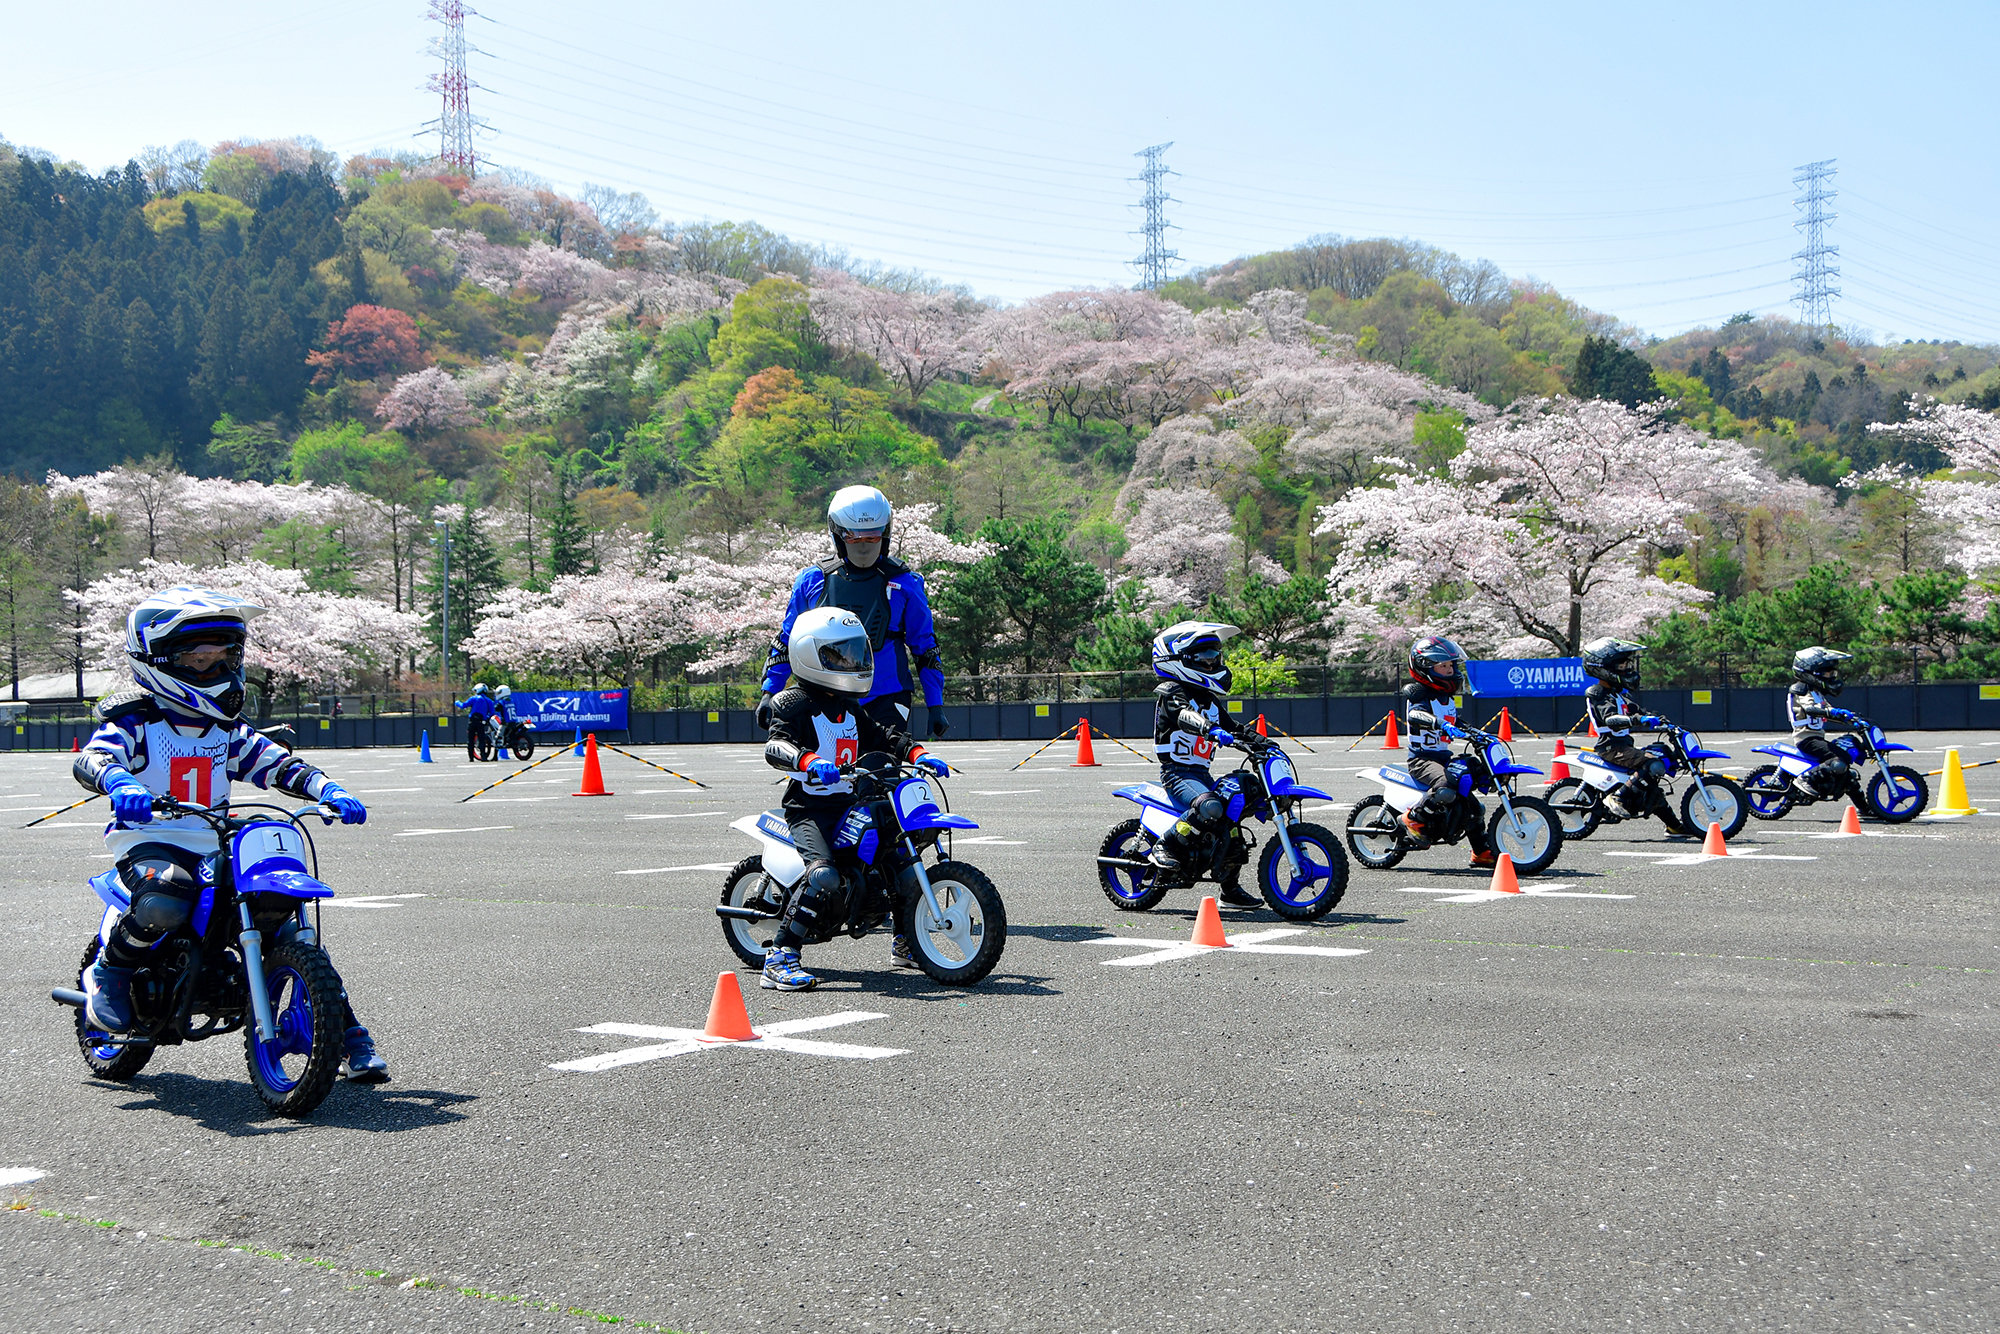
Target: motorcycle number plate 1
x=264, y=843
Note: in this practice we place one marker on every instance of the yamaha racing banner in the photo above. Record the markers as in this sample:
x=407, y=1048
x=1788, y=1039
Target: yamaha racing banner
x=568, y=710
x=1527, y=676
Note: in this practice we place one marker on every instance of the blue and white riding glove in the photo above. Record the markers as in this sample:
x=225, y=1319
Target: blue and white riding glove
x=344, y=804
x=933, y=766
x=823, y=773
x=1220, y=737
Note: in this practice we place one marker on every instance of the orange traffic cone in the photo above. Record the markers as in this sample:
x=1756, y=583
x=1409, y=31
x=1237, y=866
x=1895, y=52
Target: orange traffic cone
x=1715, y=845
x=1208, y=926
x=1086, y=758
x=1559, y=767
x=727, y=1019
x=1593, y=725
x=1506, y=725
x=1504, y=879
x=1850, y=821
x=76, y=745
x=1260, y=726
x=593, y=775
x=1390, y=741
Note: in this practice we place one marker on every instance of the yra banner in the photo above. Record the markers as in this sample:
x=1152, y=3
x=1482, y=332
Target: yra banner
x=567, y=710
x=1527, y=676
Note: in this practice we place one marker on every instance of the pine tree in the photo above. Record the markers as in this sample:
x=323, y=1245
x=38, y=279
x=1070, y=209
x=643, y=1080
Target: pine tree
x=475, y=577
x=569, y=552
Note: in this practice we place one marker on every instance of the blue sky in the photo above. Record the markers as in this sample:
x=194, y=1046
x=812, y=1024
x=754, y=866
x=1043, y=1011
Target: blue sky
x=1639, y=158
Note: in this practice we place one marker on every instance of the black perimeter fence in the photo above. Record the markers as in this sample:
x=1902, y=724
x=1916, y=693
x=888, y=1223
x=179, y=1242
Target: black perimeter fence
x=1313, y=701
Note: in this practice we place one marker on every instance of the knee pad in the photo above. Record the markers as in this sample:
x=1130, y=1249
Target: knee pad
x=820, y=893
x=163, y=895
x=1653, y=770
x=1209, y=812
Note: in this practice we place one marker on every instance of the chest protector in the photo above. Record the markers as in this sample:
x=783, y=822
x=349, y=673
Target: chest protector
x=193, y=769
x=1432, y=738
x=838, y=740
x=1184, y=747
x=863, y=592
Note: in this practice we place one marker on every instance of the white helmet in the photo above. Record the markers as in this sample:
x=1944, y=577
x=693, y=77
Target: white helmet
x=479, y=688
x=186, y=646
x=829, y=649
x=859, y=511
x=503, y=692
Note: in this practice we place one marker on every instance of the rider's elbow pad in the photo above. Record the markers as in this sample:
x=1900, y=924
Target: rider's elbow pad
x=782, y=755
x=95, y=771
x=1419, y=718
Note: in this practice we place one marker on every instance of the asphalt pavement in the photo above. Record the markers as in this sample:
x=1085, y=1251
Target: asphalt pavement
x=1659, y=1092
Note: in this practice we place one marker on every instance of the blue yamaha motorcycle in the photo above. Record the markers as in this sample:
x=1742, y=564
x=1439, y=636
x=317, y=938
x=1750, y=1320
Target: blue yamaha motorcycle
x=249, y=959
x=948, y=910
x=1302, y=874
x=1893, y=793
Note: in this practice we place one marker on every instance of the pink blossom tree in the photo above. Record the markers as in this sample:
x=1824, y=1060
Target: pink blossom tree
x=917, y=337
x=426, y=402
x=1539, y=535
x=1181, y=546
x=319, y=641
x=1969, y=503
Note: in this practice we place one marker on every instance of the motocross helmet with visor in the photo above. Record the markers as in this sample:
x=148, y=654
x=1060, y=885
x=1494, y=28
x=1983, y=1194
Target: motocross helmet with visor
x=1613, y=661
x=858, y=519
x=1439, y=663
x=1191, y=652
x=186, y=648
x=1820, y=668
x=829, y=651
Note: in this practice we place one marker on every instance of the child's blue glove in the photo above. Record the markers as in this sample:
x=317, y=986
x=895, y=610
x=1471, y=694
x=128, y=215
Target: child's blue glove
x=823, y=772
x=347, y=807
x=1220, y=737
x=932, y=765
x=131, y=803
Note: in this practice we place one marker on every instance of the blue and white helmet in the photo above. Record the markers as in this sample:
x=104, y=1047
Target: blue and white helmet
x=186, y=646
x=1191, y=652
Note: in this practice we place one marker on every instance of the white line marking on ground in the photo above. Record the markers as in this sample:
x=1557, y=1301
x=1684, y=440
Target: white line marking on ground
x=477, y=829
x=20, y=1176
x=371, y=900
x=1254, y=942
x=991, y=838
x=675, y=815
x=1007, y=792
x=661, y=870
x=1555, y=891
x=1696, y=858
x=377, y=791
x=770, y=1037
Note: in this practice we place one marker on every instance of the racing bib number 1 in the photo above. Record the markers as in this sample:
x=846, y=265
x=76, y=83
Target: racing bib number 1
x=188, y=778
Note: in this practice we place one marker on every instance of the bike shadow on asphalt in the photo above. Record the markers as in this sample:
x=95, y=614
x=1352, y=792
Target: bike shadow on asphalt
x=916, y=987
x=230, y=1106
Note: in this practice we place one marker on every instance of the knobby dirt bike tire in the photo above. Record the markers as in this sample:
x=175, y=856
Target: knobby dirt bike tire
x=121, y=1063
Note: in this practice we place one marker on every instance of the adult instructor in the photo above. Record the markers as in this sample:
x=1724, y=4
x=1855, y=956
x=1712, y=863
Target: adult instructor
x=889, y=599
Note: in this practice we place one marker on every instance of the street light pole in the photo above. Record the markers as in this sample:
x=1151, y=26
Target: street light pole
x=444, y=614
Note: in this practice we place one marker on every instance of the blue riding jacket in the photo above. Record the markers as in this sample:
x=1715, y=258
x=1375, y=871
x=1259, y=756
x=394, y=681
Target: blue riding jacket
x=892, y=605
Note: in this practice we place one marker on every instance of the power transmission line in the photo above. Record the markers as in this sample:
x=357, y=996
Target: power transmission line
x=1817, y=268
x=1152, y=264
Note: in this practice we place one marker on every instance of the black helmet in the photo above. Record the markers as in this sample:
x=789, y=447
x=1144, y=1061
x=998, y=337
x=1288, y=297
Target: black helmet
x=1819, y=668
x=1613, y=661
x=1438, y=663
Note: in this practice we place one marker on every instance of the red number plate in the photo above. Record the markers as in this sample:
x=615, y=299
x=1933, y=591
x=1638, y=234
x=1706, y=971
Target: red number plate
x=188, y=778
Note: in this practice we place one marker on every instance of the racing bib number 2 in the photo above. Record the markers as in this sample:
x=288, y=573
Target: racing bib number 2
x=188, y=778
x=846, y=750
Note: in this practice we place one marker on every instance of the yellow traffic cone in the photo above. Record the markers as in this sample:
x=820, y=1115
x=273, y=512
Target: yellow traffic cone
x=1953, y=801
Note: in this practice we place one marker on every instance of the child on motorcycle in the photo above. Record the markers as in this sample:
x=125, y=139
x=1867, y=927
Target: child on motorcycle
x=1815, y=681
x=816, y=728
x=1609, y=701
x=1187, y=718
x=1430, y=721
x=181, y=735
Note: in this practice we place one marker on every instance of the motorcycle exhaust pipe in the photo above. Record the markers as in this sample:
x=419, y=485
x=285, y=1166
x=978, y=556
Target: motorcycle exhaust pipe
x=745, y=914
x=65, y=996
x=1125, y=862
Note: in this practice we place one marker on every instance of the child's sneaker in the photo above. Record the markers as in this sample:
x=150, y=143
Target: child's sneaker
x=782, y=972
x=900, y=955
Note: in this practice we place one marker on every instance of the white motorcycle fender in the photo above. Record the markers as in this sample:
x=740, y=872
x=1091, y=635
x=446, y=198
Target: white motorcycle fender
x=1399, y=790
x=1797, y=764
x=1597, y=773
x=1155, y=821
x=781, y=860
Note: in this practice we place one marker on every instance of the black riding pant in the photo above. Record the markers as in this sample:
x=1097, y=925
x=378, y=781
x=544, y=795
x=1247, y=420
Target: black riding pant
x=813, y=830
x=1831, y=775
x=1647, y=769
x=1437, y=773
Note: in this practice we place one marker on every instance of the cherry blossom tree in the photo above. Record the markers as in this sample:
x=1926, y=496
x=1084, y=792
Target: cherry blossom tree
x=1181, y=545
x=1970, y=502
x=425, y=402
x=366, y=342
x=917, y=337
x=1538, y=537
x=319, y=641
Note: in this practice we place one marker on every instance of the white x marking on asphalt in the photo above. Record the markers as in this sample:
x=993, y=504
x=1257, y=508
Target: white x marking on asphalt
x=770, y=1037
x=1254, y=942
